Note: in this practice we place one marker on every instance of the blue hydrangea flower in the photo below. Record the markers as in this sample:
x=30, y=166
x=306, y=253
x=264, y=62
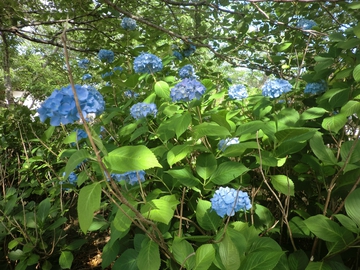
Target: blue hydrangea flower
x=80, y=134
x=147, y=63
x=306, y=24
x=86, y=77
x=187, y=90
x=106, y=56
x=223, y=144
x=107, y=74
x=190, y=50
x=84, y=63
x=227, y=201
x=142, y=110
x=61, y=109
x=275, y=88
x=72, y=178
x=315, y=88
x=120, y=69
x=178, y=55
x=131, y=94
x=128, y=23
x=187, y=71
x=238, y=92
x=131, y=178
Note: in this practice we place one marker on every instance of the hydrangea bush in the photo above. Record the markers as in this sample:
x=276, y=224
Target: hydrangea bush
x=275, y=88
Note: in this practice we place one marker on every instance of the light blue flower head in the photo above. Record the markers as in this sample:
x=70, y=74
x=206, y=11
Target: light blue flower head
x=86, y=77
x=128, y=23
x=187, y=90
x=227, y=201
x=305, y=24
x=315, y=88
x=131, y=177
x=106, y=56
x=147, y=63
x=275, y=88
x=142, y=110
x=238, y=92
x=187, y=71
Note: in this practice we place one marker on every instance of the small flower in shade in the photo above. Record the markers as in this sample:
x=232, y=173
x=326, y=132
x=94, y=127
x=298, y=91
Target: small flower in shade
x=72, y=178
x=106, y=56
x=178, y=55
x=223, y=144
x=238, y=92
x=107, y=74
x=120, y=69
x=142, y=110
x=131, y=94
x=86, y=77
x=187, y=90
x=61, y=109
x=275, y=88
x=227, y=201
x=131, y=178
x=315, y=88
x=190, y=50
x=128, y=23
x=80, y=134
x=84, y=63
x=147, y=63
x=187, y=71
x=306, y=24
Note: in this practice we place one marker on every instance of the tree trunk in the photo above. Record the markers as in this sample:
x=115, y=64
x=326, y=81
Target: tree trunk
x=7, y=95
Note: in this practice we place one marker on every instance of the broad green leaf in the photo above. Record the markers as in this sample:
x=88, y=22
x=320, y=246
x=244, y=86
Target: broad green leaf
x=355, y=5
x=229, y=254
x=66, y=259
x=334, y=123
x=263, y=216
x=250, y=127
x=283, y=184
x=261, y=260
x=75, y=159
x=127, y=260
x=205, y=217
x=183, y=253
x=210, y=129
x=162, y=89
x=321, y=151
x=324, y=228
x=204, y=257
x=318, y=266
x=294, y=134
x=283, y=46
x=298, y=228
x=350, y=108
x=182, y=123
x=352, y=203
x=351, y=148
x=48, y=133
x=131, y=158
x=298, y=260
x=264, y=244
x=43, y=210
x=109, y=253
x=349, y=44
x=288, y=148
x=342, y=74
x=17, y=254
x=149, y=256
x=184, y=176
x=237, y=150
x=88, y=203
x=283, y=263
x=161, y=210
x=348, y=223
x=346, y=238
x=206, y=164
x=123, y=218
x=71, y=138
x=178, y=153
x=228, y=171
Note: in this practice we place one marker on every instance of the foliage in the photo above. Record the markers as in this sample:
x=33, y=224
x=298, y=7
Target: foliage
x=176, y=173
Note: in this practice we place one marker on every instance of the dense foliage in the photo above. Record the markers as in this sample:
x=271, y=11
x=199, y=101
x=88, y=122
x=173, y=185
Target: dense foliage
x=152, y=140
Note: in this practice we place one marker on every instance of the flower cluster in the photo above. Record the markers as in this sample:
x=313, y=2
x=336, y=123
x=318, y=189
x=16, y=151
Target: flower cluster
x=223, y=144
x=86, y=76
x=80, y=134
x=274, y=88
x=84, y=63
x=238, y=92
x=61, y=109
x=306, y=24
x=72, y=178
x=187, y=90
x=106, y=56
x=131, y=178
x=131, y=94
x=178, y=55
x=120, y=69
x=184, y=53
x=315, y=88
x=142, y=110
x=128, y=23
x=147, y=63
x=187, y=71
x=227, y=201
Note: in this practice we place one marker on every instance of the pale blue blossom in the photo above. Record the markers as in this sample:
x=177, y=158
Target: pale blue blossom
x=147, y=63
x=275, y=88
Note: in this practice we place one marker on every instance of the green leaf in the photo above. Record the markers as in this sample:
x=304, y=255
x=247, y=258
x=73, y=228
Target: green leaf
x=16, y=255
x=210, y=129
x=182, y=123
x=250, y=127
x=43, y=210
x=288, y=148
x=149, y=256
x=71, y=138
x=261, y=260
x=355, y=5
x=350, y=108
x=352, y=203
x=162, y=89
x=66, y=259
x=127, y=260
x=183, y=253
x=349, y=44
x=298, y=228
x=161, y=210
x=334, y=123
x=283, y=184
x=295, y=134
x=322, y=152
x=88, y=203
x=48, y=133
x=178, y=153
x=318, y=266
x=324, y=228
x=283, y=46
x=229, y=254
x=228, y=171
x=348, y=223
x=356, y=73
x=205, y=217
x=298, y=260
x=184, y=176
x=206, y=165
x=123, y=218
x=131, y=158
x=237, y=150
x=75, y=159
x=109, y=253
x=204, y=257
